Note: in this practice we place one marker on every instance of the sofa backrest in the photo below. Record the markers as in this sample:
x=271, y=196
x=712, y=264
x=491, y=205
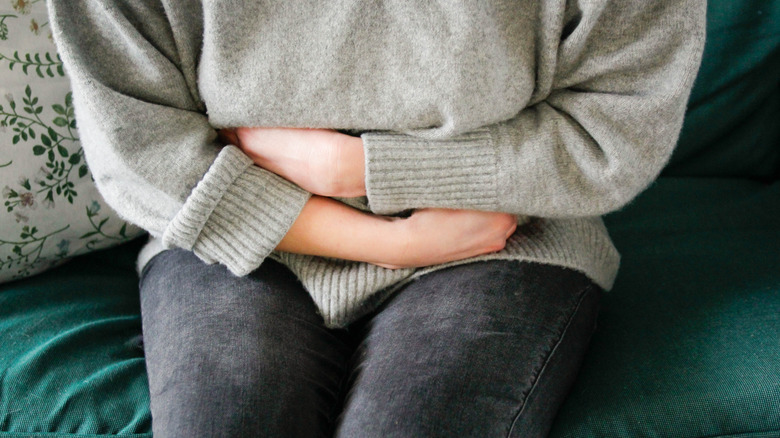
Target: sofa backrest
x=732, y=128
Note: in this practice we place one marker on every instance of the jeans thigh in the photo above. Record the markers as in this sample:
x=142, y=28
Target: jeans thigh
x=236, y=356
x=486, y=349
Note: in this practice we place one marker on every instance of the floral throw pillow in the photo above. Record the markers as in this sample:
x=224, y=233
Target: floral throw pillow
x=51, y=209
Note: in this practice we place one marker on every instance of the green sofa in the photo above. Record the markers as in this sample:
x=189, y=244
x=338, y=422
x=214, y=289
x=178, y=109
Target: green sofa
x=688, y=342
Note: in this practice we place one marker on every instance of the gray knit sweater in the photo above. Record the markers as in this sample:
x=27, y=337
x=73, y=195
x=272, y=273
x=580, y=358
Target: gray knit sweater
x=556, y=111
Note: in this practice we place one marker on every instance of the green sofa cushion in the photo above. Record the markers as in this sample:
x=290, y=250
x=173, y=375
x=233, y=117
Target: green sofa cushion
x=71, y=362
x=731, y=128
x=688, y=343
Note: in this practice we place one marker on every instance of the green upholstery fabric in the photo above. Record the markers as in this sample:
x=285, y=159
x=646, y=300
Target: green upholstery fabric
x=731, y=128
x=71, y=363
x=688, y=343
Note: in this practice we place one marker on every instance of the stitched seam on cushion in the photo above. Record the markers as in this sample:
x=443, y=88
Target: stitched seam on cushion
x=583, y=294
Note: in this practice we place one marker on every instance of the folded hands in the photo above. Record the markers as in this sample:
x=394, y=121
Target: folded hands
x=331, y=164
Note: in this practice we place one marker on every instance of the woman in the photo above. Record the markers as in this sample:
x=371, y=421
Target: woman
x=402, y=235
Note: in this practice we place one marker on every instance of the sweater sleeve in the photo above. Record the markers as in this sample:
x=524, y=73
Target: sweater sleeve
x=614, y=77
x=148, y=142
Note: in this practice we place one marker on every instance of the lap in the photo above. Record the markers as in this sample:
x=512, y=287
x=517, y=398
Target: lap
x=472, y=350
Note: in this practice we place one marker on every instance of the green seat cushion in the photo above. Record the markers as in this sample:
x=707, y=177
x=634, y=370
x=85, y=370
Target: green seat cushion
x=71, y=362
x=731, y=128
x=688, y=343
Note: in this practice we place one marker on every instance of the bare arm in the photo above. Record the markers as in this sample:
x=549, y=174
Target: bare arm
x=326, y=227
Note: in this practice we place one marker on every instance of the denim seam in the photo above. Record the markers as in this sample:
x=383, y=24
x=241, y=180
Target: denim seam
x=583, y=294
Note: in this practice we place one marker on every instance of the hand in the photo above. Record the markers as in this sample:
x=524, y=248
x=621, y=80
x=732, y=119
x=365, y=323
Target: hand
x=321, y=161
x=432, y=236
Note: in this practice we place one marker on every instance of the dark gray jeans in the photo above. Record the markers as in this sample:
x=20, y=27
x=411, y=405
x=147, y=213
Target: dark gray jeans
x=486, y=349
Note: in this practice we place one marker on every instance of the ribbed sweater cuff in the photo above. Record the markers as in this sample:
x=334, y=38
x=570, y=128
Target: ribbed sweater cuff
x=237, y=214
x=403, y=172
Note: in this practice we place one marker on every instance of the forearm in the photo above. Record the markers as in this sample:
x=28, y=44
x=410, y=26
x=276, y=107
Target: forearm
x=328, y=228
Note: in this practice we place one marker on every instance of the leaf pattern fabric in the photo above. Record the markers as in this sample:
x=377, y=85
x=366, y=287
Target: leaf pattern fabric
x=51, y=210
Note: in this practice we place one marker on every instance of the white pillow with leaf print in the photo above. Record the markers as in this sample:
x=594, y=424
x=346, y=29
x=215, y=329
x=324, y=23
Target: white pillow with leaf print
x=51, y=209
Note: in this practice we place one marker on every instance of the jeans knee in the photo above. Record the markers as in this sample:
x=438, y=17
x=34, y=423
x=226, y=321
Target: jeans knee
x=242, y=392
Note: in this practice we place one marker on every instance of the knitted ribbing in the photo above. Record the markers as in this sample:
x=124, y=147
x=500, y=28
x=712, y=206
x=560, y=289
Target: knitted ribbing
x=234, y=191
x=460, y=172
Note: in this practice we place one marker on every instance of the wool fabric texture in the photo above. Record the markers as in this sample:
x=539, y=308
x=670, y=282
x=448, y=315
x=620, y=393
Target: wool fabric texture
x=556, y=111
